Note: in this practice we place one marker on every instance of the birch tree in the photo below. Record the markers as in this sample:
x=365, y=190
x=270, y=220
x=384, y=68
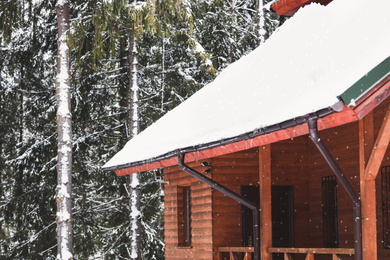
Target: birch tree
x=135, y=194
x=64, y=123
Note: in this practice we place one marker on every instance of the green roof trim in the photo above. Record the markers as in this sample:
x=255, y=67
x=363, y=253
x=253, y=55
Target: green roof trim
x=367, y=82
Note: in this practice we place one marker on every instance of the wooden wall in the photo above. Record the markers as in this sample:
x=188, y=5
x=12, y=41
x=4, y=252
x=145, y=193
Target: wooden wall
x=216, y=219
x=289, y=168
x=232, y=171
x=378, y=117
x=343, y=142
x=201, y=217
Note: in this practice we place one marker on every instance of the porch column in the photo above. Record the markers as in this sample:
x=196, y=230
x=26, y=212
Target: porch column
x=367, y=188
x=265, y=201
x=371, y=156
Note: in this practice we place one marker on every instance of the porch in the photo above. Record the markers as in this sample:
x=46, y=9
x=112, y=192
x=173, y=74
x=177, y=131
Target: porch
x=245, y=253
x=218, y=229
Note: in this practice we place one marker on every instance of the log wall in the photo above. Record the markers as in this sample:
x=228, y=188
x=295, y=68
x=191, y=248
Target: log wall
x=232, y=171
x=201, y=217
x=289, y=168
x=216, y=219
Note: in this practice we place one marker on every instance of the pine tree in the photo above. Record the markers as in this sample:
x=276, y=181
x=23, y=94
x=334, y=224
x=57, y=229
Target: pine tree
x=28, y=146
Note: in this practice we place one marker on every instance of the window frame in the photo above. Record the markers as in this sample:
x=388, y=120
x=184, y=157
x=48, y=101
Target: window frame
x=330, y=212
x=184, y=216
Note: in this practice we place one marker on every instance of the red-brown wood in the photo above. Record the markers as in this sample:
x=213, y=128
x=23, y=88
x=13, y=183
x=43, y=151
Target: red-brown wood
x=265, y=201
x=379, y=149
x=290, y=7
x=227, y=171
x=309, y=257
x=201, y=215
x=367, y=188
x=373, y=98
x=326, y=251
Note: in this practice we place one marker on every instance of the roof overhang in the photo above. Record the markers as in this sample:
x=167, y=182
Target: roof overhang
x=290, y=7
x=347, y=115
x=316, y=59
x=367, y=98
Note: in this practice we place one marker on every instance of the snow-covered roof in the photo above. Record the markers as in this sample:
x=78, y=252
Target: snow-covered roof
x=304, y=67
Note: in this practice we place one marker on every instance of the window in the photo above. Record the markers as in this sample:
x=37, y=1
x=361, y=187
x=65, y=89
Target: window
x=329, y=212
x=184, y=216
x=385, y=185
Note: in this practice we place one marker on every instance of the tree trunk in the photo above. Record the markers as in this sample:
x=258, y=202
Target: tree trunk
x=135, y=193
x=261, y=30
x=64, y=124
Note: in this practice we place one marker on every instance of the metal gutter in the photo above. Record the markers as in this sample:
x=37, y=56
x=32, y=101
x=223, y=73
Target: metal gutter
x=252, y=206
x=315, y=137
x=246, y=136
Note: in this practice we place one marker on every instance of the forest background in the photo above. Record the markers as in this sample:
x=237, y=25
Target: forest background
x=182, y=45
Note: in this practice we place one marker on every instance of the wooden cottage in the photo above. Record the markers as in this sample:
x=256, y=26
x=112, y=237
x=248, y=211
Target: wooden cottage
x=284, y=155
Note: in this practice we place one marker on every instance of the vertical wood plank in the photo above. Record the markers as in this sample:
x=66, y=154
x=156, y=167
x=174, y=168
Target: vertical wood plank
x=219, y=255
x=367, y=187
x=288, y=256
x=309, y=256
x=248, y=256
x=265, y=201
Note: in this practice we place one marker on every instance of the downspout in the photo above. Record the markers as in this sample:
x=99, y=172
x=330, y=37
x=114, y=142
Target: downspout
x=252, y=206
x=315, y=137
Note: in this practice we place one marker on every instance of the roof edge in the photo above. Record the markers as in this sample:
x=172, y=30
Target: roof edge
x=358, y=90
x=246, y=136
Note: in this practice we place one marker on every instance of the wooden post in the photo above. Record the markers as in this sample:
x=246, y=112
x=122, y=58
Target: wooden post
x=288, y=256
x=265, y=201
x=309, y=256
x=367, y=188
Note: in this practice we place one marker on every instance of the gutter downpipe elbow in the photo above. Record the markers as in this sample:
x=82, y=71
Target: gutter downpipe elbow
x=315, y=137
x=252, y=206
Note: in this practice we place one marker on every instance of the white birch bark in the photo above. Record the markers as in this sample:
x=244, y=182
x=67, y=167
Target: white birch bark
x=135, y=195
x=64, y=124
x=262, y=32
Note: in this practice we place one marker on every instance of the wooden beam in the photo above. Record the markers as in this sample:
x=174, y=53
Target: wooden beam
x=367, y=187
x=265, y=201
x=373, y=98
x=379, y=149
x=297, y=250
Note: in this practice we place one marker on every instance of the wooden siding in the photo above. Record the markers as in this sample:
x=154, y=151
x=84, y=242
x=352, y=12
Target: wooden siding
x=216, y=219
x=343, y=142
x=201, y=217
x=232, y=171
x=289, y=168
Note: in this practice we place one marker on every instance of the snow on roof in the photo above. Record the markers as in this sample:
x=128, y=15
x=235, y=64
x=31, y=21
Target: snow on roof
x=303, y=67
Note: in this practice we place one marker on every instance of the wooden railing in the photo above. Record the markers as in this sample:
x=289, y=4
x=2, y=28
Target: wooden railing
x=310, y=252
x=236, y=252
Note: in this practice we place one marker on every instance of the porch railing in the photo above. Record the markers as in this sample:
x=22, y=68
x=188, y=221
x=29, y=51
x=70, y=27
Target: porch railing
x=236, y=252
x=310, y=252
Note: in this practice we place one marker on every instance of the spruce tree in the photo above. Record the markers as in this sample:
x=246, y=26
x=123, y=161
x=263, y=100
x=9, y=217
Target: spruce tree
x=27, y=40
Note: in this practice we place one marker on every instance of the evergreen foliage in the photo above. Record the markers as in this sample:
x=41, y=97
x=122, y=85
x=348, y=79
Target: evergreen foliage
x=182, y=45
